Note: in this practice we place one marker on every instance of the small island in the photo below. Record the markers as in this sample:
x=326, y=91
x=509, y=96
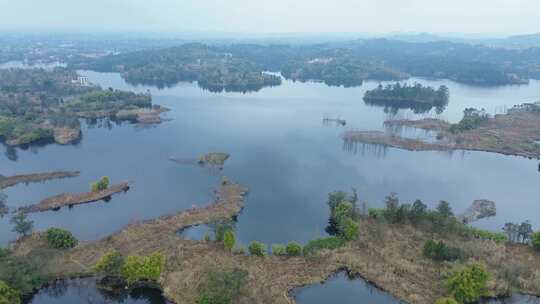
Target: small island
x=416, y=97
x=100, y=190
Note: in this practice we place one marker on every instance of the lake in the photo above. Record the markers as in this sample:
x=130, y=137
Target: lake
x=281, y=150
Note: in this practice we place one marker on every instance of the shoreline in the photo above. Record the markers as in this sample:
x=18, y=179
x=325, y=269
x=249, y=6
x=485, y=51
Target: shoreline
x=10, y=181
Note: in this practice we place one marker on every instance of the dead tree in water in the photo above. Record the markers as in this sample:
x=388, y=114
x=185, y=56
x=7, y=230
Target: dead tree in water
x=337, y=121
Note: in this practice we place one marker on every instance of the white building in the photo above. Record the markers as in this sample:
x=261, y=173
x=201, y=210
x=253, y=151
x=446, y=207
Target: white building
x=81, y=80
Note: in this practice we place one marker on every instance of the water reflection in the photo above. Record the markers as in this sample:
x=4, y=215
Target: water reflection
x=514, y=299
x=196, y=233
x=88, y=292
x=280, y=150
x=343, y=289
x=393, y=107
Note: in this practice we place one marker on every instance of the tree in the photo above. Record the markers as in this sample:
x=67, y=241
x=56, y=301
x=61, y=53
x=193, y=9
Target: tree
x=110, y=264
x=138, y=268
x=222, y=286
x=9, y=295
x=335, y=198
x=444, y=209
x=279, y=250
x=512, y=232
x=3, y=204
x=349, y=229
x=101, y=185
x=524, y=232
x=467, y=285
x=439, y=251
x=257, y=249
x=392, y=202
x=417, y=212
x=229, y=240
x=293, y=249
x=220, y=226
x=60, y=239
x=535, y=241
x=23, y=226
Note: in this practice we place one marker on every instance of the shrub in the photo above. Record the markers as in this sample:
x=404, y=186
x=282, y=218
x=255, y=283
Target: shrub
x=349, y=230
x=438, y=251
x=4, y=252
x=110, y=264
x=138, y=268
x=497, y=237
x=376, y=213
x=257, y=249
x=446, y=301
x=279, y=250
x=536, y=240
x=222, y=286
x=60, y=239
x=23, y=273
x=220, y=226
x=9, y=295
x=101, y=185
x=467, y=285
x=229, y=240
x=293, y=249
x=331, y=243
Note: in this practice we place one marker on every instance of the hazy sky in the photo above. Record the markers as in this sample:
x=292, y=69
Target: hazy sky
x=470, y=16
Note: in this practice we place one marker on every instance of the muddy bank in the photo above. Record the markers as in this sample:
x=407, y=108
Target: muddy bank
x=10, y=181
x=70, y=199
x=514, y=133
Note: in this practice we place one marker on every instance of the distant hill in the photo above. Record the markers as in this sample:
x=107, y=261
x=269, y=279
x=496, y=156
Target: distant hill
x=511, y=42
x=518, y=41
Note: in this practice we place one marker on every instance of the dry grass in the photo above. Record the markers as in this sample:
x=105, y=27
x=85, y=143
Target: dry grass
x=512, y=134
x=386, y=255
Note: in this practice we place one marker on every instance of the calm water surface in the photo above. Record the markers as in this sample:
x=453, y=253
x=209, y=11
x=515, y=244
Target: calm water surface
x=85, y=291
x=281, y=150
x=343, y=290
